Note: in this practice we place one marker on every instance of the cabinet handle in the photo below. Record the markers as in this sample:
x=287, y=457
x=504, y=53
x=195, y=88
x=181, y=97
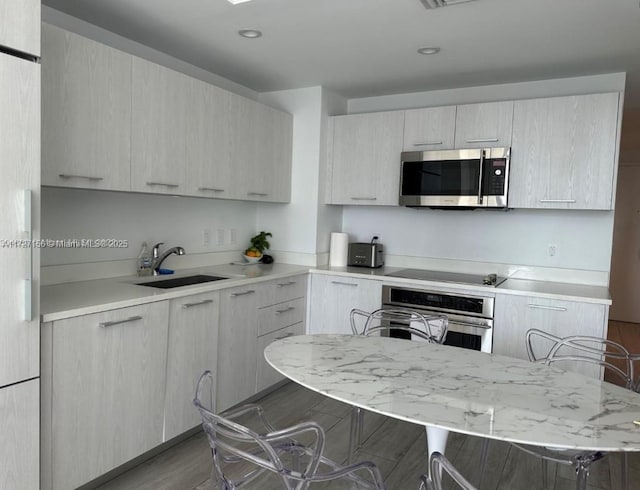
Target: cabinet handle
x=544, y=307
x=558, y=200
x=260, y=194
x=164, y=184
x=431, y=143
x=280, y=312
x=283, y=284
x=344, y=283
x=118, y=322
x=28, y=281
x=250, y=291
x=484, y=140
x=191, y=305
x=290, y=334
x=73, y=176
x=364, y=198
x=212, y=189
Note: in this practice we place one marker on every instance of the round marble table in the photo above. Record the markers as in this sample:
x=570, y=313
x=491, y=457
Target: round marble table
x=451, y=389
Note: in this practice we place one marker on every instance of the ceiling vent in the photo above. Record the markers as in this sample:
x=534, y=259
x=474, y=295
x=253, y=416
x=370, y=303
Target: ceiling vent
x=431, y=4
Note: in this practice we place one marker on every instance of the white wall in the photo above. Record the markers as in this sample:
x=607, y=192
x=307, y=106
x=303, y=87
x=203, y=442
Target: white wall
x=78, y=214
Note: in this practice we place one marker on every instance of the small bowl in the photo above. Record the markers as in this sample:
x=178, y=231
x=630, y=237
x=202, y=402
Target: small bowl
x=252, y=260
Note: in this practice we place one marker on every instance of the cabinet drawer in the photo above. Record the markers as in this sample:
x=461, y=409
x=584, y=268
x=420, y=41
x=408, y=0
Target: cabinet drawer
x=266, y=375
x=281, y=315
x=284, y=289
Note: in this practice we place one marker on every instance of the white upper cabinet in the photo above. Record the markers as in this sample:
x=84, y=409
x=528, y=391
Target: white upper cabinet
x=564, y=152
x=484, y=125
x=209, y=143
x=364, y=157
x=432, y=128
x=160, y=107
x=20, y=25
x=86, y=113
x=262, y=139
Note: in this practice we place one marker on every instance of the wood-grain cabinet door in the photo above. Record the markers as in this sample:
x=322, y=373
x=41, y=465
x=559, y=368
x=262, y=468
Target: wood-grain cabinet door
x=515, y=315
x=20, y=25
x=237, y=345
x=365, y=158
x=160, y=110
x=193, y=349
x=432, y=128
x=564, y=152
x=333, y=297
x=86, y=113
x=108, y=390
x=484, y=125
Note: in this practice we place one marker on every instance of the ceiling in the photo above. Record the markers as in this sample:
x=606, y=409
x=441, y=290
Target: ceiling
x=361, y=48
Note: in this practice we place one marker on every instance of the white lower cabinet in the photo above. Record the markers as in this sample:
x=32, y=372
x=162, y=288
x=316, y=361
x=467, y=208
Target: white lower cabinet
x=515, y=315
x=332, y=298
x=237, y=345
x=19, y=433
x=106, y=381
x=193, y=339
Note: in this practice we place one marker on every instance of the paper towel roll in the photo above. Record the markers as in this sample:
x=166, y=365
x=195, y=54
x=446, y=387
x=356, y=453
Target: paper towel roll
x=338, y=249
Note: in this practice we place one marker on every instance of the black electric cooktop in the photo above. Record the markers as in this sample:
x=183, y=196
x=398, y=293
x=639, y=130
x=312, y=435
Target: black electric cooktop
x=490, y=280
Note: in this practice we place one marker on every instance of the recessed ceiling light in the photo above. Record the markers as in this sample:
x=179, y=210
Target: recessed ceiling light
x=432, y=4
x=236, y=2
x=429, y=50
x=250, y=33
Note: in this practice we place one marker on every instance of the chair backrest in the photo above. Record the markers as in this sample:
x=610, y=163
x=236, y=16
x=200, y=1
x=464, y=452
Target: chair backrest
x=232, y=442
x=438, y=465
x=416, y=325
x=610, y=355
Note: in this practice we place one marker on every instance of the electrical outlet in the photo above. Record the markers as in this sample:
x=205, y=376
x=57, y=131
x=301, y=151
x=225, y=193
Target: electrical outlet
x=233, y=238
x=219, y=237
x=206, y=237
x=552, y=250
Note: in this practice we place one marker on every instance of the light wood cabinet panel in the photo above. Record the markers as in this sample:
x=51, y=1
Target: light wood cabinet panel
x=160, y=111
x=332, y=298
x=19, y=436
x=20, y=25
x=107, y=389
x=262, y=139
x=86, y=113
x=20, y=171
x=564, y=152
x=280, y=290
x=237, y=345
x=365, y=158
x=515, y=315
x=211, y=171
x=266, y=376
x=432, y=128
x=274, y=317
x=193, y=346
x=484, y=125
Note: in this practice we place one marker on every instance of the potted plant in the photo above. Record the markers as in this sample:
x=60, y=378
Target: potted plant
x=259, y=243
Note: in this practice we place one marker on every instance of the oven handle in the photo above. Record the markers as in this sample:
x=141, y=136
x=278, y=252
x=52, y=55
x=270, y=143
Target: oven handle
x=481, y=178
x=472, y=325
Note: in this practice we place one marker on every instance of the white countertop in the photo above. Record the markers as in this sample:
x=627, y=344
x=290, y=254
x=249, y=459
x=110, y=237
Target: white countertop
x=72, y=299
x=463, y=391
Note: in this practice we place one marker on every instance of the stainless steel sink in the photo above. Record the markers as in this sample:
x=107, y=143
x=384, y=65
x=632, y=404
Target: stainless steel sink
x=181, y=281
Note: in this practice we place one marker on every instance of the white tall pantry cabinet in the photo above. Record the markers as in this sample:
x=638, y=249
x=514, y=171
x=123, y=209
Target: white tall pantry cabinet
x=19, y=263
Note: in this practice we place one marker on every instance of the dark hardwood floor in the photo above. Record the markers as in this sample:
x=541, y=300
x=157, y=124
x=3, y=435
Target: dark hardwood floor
x=398, y=448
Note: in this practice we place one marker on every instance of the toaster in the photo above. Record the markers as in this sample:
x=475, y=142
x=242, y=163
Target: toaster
x=366, y=254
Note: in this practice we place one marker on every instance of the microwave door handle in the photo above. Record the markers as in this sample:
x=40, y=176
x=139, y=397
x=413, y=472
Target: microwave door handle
x=481, y=177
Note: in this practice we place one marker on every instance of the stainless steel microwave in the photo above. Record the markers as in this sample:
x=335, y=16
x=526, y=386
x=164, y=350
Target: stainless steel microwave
x=468, y=178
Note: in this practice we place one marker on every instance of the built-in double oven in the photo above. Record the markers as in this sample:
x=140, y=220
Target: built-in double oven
x=470, y=315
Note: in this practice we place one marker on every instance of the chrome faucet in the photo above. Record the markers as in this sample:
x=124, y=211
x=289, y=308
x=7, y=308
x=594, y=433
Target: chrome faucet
x=158, y=258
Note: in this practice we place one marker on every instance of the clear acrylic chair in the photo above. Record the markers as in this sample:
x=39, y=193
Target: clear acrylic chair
x=612, y=357
x=238, y=449
x=438, y=464
x=406, y=323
